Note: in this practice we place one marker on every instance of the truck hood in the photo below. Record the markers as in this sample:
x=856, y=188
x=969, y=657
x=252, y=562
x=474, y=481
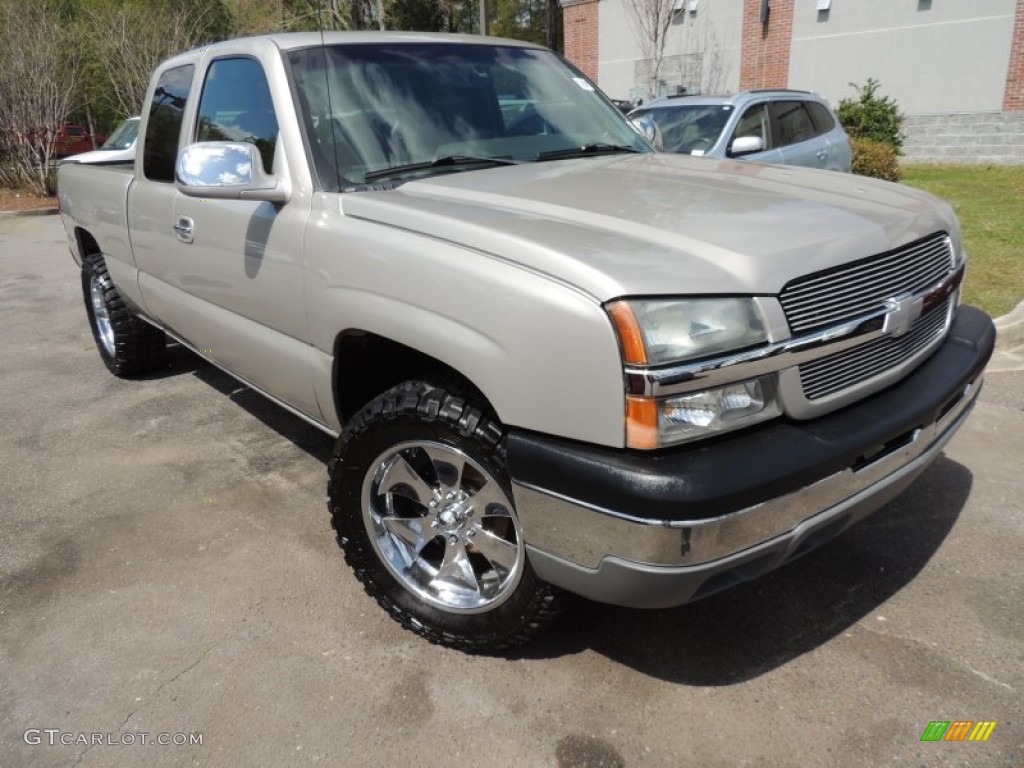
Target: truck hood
x=627, y=225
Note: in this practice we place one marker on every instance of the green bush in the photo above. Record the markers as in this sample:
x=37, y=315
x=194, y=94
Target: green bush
x=876, y=159
x=871, y=116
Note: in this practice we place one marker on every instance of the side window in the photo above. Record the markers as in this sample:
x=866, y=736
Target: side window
x=793, y=121
x=164, y=125
x=821, y=116
x=754, y=123
x=235, y=106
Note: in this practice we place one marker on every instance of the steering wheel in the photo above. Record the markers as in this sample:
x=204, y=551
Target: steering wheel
x=531, y=123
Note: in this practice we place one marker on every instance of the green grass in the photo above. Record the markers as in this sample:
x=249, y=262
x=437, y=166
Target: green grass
x=989, y=201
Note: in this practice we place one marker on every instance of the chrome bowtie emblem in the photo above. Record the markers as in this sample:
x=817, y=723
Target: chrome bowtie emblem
x=903, y=310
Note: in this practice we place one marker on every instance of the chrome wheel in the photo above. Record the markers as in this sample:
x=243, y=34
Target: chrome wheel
x=104, y=328
x=443, y=526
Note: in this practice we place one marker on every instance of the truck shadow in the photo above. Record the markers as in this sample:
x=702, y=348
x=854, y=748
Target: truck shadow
x=313, y=441
x=749, y=630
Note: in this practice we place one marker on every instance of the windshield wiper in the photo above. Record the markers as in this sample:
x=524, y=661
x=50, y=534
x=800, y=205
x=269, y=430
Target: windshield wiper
x=587, y=149
x=440, y=162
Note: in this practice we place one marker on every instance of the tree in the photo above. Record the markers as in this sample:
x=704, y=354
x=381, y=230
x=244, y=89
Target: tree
x=651, y=20
x=532, y=20
x=255, y=17
x=130, y=37
x=39, y=70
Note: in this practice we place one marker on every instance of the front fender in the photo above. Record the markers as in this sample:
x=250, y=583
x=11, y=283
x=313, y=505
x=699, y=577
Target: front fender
x=543, y=353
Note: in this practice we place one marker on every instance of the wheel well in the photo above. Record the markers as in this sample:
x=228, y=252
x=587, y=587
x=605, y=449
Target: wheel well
x=365, y=365
x=87, y=245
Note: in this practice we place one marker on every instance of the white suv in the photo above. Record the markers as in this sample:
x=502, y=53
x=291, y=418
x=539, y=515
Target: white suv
x=784, y=126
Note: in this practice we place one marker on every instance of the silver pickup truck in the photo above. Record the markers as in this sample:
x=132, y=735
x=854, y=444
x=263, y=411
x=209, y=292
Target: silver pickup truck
x=555, y=361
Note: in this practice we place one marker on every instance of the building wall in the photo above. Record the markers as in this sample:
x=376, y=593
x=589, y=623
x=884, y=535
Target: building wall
x=986, y=138
x=1013, y=96
x=702, y=49
x=936, y=56
x=580, y=28
x=766, y=44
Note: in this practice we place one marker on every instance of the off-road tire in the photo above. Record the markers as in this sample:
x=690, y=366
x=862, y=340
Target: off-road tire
x=131, y=346
x=420, y=411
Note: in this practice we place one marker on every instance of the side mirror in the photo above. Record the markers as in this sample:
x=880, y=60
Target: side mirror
x=227, y=170
x=745, y=145
x=644, y=125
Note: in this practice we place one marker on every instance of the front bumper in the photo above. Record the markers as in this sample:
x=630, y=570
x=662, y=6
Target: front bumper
x=660, y=529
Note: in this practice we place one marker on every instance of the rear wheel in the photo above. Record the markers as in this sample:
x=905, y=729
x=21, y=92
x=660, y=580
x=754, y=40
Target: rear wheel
x=422, y=505
x=127, y=345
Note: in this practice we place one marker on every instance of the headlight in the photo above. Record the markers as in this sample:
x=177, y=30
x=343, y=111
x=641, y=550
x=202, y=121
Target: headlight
x=658, y=331
x=657, y=423
x=661, y=331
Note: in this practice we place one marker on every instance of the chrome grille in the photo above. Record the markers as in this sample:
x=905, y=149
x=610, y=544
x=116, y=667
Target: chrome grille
x=843, y=293
x=852, y=366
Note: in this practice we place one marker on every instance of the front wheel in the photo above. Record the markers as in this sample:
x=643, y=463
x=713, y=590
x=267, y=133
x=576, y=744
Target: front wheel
x=421, y=502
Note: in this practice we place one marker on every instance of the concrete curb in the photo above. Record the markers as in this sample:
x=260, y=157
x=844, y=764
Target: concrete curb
x=1009, y=354
x=1010, y=329
x=28, y=212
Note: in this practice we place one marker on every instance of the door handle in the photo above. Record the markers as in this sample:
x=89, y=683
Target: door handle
x=183, y=228
x=822, y=154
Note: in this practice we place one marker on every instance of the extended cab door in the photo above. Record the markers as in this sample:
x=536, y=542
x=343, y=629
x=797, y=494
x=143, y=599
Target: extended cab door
x=230, y=281
x=151, y=196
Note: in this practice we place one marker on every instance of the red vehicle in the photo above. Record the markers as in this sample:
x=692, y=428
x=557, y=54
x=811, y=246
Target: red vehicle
x=73, y=139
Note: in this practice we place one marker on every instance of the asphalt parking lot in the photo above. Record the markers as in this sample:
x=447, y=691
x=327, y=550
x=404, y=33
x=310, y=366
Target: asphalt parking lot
x=167, y=567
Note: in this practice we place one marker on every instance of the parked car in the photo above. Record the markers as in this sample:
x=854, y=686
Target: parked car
x=119, y=148
x=553, y=359
x=74, y=139
x=71, y=139
x=784, y=126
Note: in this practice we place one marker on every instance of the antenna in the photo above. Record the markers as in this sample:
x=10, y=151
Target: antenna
x=327, y=89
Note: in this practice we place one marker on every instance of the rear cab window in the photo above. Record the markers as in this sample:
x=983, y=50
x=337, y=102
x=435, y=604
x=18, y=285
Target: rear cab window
x=163, y=129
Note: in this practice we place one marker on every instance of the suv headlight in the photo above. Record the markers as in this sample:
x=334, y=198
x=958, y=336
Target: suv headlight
x=655, y=332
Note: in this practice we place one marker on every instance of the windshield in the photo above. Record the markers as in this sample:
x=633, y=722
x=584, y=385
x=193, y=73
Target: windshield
x=368, y=108
x=688, y=129
x=124, y=136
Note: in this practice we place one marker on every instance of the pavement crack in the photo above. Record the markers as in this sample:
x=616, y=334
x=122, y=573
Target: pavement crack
x=81, y=756
x=123, y=724
x=187, y=669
